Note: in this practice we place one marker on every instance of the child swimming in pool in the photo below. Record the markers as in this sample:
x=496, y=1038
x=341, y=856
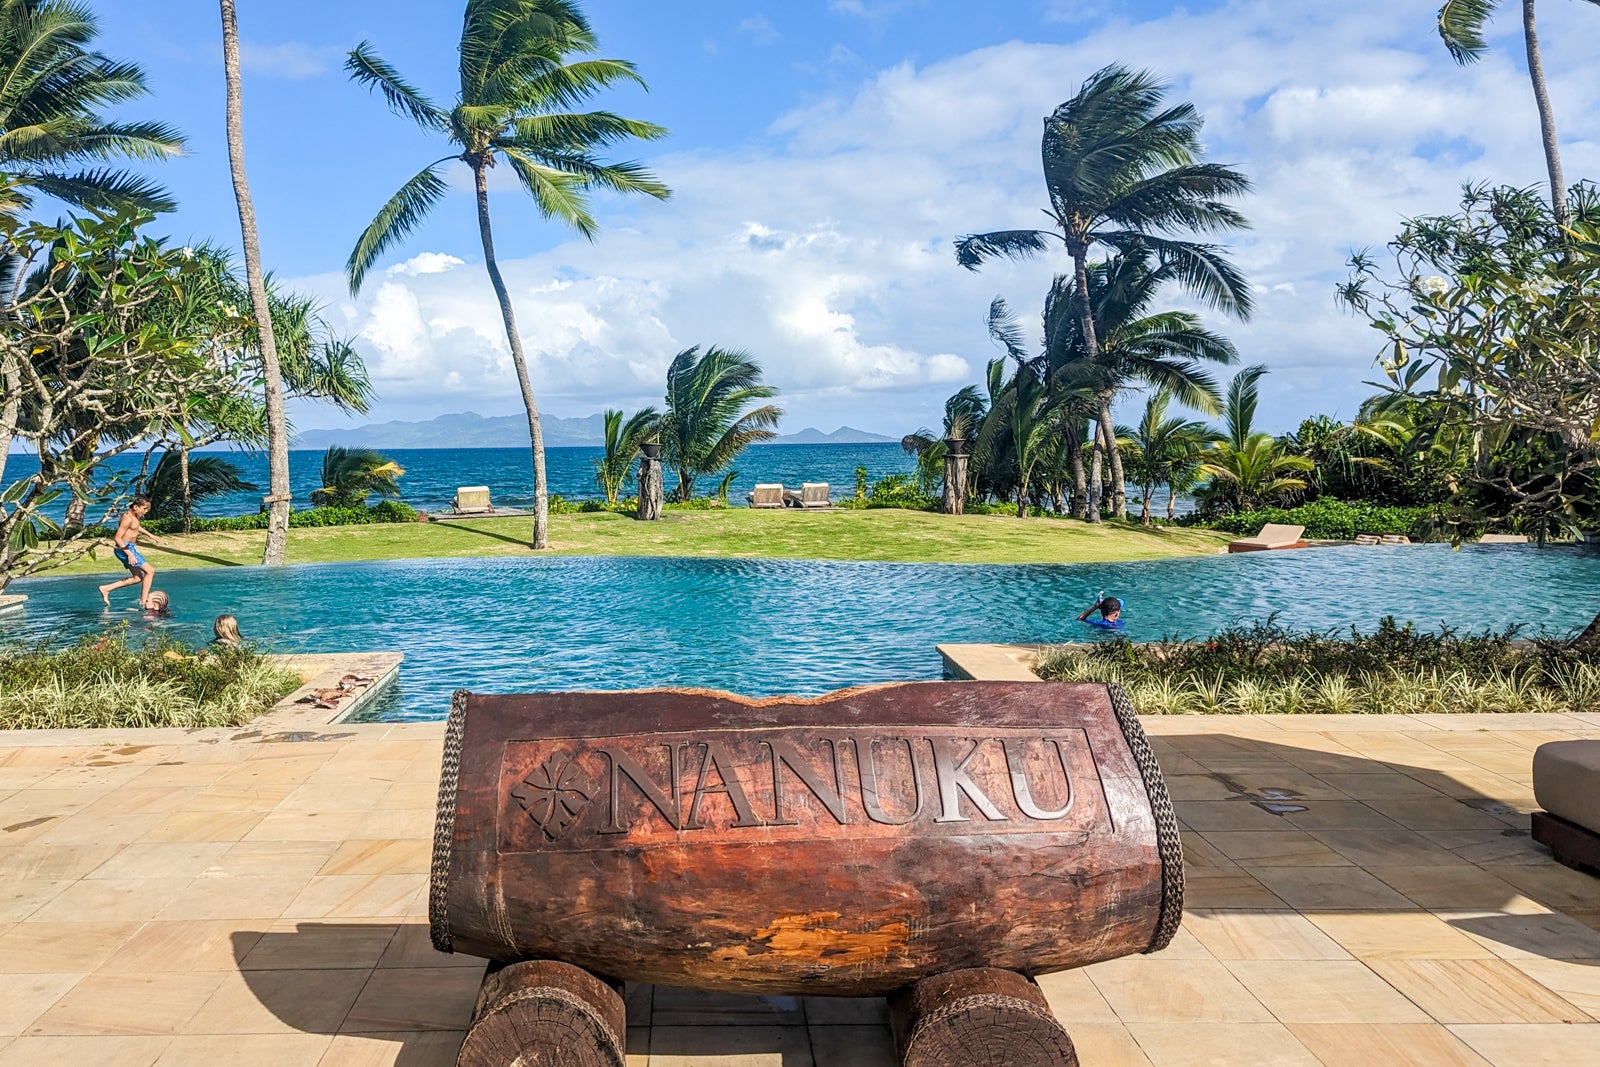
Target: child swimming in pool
x=1110, y=609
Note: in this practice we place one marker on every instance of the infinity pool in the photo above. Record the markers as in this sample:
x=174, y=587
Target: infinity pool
x=781, y=626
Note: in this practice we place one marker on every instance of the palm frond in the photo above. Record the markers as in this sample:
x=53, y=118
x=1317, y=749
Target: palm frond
x=1461, y=28
x=102, y=188
x=974, y=248
x=403, y=213
x=372, y=70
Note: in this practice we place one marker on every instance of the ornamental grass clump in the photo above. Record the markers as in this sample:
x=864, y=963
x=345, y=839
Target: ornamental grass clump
x=1266, y=668
x=103, y=681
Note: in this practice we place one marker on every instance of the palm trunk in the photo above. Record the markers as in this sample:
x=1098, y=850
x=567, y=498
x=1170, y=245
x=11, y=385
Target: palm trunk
x=1080, y=489
x=1119, y=487
x=685, y=485
x=1096, y=481
x=1022, y=498
x=1547, y=117
x=277, y=498
x=188, y=496
x=1091, y=347
x=1144, y=509
x=1171, y=493
x=78, y=502
x=541, y=489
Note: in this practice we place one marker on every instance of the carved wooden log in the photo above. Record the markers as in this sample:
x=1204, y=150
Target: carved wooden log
x=954, y=501
x=848, y=845
x=540, y=1011
x=978, y=1018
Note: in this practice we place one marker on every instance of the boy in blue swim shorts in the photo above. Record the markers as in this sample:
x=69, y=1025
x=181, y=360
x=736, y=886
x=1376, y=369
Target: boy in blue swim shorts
x=124, y=544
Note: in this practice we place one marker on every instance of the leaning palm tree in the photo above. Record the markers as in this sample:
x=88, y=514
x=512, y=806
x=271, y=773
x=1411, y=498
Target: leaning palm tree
x=523, y=65
x=622, y=441
x=706, y=424
x=278, y=496
x=179, y=480
x=52, y=88
x=1461, y=26
x=1121, y=168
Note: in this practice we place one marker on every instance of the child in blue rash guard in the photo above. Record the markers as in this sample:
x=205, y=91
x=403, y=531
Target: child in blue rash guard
x=1110, y=609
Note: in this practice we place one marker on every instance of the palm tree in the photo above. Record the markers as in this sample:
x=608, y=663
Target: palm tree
x=706, y=424
x=350, y=475
x=1025, y=404
x=173, y=490
x=1248, y=469
x=1461, y=26
x=1162, y=350
x=518, y=81
x=52, y=88
x=1166, y=447
x=622, y=443
x=277, y=499
x=1121, y=171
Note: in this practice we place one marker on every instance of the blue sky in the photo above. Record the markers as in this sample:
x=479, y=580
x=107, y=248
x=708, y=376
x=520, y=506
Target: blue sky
x=823, y=154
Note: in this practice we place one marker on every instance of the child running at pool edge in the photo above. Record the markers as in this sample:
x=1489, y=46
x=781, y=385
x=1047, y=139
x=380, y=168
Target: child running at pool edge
x=124, y=544
x=1110, y=609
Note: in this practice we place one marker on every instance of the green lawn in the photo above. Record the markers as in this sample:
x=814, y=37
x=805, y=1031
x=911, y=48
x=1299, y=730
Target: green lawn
x=888, y=535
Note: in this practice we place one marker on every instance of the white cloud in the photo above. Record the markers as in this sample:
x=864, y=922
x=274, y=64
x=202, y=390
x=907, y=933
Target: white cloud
x=427, y=263
x=828, y=255
x=759, y=29
x=293, y=60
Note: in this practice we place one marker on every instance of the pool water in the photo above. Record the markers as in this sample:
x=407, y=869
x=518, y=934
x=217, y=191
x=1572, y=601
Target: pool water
x=786, y=626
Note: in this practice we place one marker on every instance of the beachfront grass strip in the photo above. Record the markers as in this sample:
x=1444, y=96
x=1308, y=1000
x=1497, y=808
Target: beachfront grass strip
x=878, y=535
x=1266, y=669
x=103, y=681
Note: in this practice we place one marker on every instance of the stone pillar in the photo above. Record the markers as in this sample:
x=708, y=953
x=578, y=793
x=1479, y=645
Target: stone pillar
x=650, y=495
x=955, y=476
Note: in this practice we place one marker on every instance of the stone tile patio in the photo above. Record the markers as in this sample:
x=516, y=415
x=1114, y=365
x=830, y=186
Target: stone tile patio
x=1361, y=891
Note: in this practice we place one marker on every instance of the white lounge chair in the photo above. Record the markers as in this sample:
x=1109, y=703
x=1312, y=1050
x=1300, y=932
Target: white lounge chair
x=1368, y=539
x=1503, y=539
x=1396, y=539
x=765, y=495
x=1272, y=536
x=472, y=500
x=815, y=495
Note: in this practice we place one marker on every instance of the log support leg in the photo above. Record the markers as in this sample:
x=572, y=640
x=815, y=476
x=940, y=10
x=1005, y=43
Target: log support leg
x=978, y=1018
x=541, y=1012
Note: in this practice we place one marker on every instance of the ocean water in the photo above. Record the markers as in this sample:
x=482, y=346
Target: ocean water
x=791, y=626
x=433, y=474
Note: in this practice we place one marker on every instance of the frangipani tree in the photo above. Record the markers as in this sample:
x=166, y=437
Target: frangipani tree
x=524, y=66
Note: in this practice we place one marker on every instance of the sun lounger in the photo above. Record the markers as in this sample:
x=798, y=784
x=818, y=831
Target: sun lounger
x=472, y=500
x=1272, y=536
x=1566, y=784
x=1368, y=539
x=815, y=495
x=766, y=495
x=1503, y=539
x=1396, y=539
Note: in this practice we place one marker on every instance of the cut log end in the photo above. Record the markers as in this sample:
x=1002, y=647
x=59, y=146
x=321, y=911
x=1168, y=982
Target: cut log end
x=978, y=1018
x=540, y=1013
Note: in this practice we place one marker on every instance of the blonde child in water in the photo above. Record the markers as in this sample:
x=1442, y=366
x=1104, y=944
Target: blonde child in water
x=226, y=629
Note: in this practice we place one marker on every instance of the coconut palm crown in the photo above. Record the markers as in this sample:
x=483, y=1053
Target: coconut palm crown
x=1122, y=169
x=52, y=89
x=1461, y=25
x=524, y=67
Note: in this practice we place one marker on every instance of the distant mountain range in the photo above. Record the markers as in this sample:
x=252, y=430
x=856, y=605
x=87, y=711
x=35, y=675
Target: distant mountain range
x=469, y=430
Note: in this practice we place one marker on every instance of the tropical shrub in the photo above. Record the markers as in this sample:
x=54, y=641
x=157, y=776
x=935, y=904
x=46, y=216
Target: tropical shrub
x=350, y=475
x=103, y=681
x=1397, y=669
x=1327, y=519
x=385, y=511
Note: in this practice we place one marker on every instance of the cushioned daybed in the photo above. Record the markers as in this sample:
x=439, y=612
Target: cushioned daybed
x=1566, y=784
x=1272, y=536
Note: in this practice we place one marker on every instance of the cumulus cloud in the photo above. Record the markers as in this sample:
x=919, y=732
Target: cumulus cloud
x=826, y=248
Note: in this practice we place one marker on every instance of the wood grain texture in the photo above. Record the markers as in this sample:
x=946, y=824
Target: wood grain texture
x=848, y=845
x=540, y=1012
x=978, y=1018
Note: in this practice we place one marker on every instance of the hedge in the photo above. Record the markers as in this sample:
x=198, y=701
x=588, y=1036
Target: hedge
x=1327, y=519
x=385, y=511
